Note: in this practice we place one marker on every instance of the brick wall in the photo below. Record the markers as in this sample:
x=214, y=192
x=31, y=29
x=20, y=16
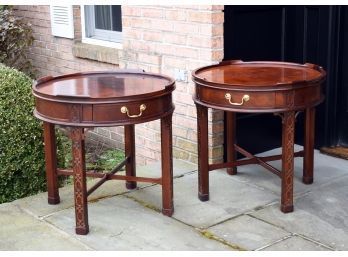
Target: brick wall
x=53, y=55
x=161, y=39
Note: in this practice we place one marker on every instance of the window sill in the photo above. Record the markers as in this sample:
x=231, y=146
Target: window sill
x=96, y=52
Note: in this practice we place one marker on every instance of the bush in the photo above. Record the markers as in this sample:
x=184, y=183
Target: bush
x=22, y=160
x=16, y=36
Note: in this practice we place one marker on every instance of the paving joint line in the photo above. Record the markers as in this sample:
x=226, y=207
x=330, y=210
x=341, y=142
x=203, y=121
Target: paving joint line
x=211, y=236
x=96, y=200
x=293, y=233
x=202, y=231
x=270, y=223
x=274, y=242
x=49, y=224
x=315, y=241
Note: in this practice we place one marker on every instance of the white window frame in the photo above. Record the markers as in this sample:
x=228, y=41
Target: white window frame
x=99, y=32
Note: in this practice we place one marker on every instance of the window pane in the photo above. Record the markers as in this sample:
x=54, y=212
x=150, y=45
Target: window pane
x=116, y=18
x=102, y=17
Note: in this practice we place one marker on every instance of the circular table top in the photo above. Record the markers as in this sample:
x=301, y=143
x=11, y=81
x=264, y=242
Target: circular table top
x=102, y=85
x=258, y=74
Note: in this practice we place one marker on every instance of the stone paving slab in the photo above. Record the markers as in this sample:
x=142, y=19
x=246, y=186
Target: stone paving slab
x=326, y=168
x=39, y=207
x=119, y=223
x=179, y=168
x=228, y=198
x=248, y=232
x=321, y=215
x=295, y=243
x=20, y=231
x=243, y=211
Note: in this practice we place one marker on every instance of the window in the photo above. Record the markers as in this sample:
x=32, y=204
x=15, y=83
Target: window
x=102, y=24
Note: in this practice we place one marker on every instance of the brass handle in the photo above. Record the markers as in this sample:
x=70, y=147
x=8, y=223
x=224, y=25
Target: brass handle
x=245, y=98
x=142, y=108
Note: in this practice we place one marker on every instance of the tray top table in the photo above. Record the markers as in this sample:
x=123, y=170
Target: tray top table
x=258, y=87
x=99, y=99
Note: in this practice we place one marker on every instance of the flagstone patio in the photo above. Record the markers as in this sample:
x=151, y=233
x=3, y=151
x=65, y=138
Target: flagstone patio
x=242, y=213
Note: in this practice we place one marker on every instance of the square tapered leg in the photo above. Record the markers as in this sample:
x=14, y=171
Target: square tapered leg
x=80, y=188
x=167, y=165
x=288, y=130
x=51, y=163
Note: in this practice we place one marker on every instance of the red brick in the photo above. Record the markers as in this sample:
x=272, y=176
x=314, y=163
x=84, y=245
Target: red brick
x=211, y=7
x=179, y=131
x=129, y=10
x=177, y=15
x=175, y=39
x=199, y=41
x=183, y=98
x=199, y=16
x=212, y=55
x=161, y=25
x=153, y=36
x=132, y=33
x=174, y=62
x=186, y=27
x=152, y=12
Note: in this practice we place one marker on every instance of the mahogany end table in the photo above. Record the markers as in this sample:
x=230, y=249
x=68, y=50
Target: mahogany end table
x=258, y=87
x=101, y=99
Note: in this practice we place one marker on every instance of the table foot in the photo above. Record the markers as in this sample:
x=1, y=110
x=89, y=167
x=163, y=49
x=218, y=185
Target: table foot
x=52, y=200
x=82, y=231
x=307, y=180
x=168, y=212
x=287, y=208
x=131, y=185
x=203, y=197
x=232, y=171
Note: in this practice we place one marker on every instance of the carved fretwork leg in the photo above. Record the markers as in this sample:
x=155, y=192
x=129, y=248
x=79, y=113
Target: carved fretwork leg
x=308, y=159
x=167, y=165
x=231, y=140
x=203, y=161
x=130, y=151
x=287, y=161
x=51, y=163
x=80, y=191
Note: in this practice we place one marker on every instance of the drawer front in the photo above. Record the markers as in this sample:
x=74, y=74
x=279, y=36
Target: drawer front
x=235, y=99
x=132, y=112
x=108, y=114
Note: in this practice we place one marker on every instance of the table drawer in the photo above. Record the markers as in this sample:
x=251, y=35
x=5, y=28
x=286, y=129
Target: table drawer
x=132, y=112
x=236, y=99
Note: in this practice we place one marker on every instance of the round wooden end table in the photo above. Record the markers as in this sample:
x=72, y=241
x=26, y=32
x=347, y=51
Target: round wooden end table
x=258, y=87
x=101, y=99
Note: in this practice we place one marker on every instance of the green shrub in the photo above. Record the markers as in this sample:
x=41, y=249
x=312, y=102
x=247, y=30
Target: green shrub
x=16, y=36
x=22, y=161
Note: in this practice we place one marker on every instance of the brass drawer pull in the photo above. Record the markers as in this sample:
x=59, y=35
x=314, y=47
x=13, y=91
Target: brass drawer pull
x=142, y=108
x=245, y=98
